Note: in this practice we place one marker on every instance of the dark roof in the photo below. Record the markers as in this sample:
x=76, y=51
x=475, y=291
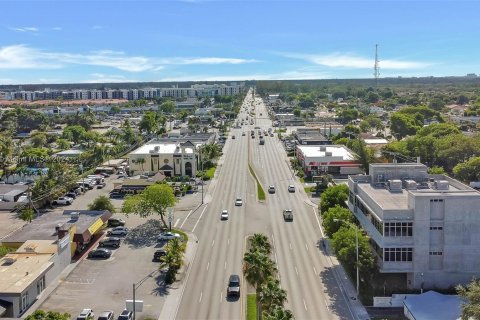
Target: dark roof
x=166, y=167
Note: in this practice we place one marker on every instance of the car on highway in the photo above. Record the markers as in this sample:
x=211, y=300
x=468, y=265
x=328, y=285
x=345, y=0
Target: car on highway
x=113, y=242
x=238, y=202
x=118, y=231
x=233, y=136
x=243, y=134
x=86, y=314
x=158, y=254
x=291, y=188
x=233, y=288
x=106, y=315
x=115, y=222
x=224, y=215
x=63, y=200
x=288, y=215
x=168, y=236
x=271, y=189
x=125, y=315
x=100, y=253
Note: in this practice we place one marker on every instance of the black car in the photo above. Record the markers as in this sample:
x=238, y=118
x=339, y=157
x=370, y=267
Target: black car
x=158, y=254
x=100, y=253
x=125, y=315
x=116, y=195
x=116, y=222
x=101, y=185
x=233, y=288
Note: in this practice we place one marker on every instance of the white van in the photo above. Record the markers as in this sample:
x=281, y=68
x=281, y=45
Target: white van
x=99, y=179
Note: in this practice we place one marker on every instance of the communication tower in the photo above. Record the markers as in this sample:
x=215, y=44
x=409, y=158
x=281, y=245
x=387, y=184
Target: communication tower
x=376, y=66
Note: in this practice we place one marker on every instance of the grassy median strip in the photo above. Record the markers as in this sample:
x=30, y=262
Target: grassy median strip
x=251, y=306
x=260, y=191
x=211, y=172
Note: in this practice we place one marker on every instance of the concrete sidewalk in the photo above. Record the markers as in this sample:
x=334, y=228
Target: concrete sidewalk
x=175, y=290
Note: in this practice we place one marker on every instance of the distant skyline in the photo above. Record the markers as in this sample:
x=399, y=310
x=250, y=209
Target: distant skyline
x=196, y=40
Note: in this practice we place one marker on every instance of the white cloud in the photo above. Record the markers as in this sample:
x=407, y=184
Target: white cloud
x=57, y=28
x=97, y=27
x=25, y=29
x=341, y=60
x=24, y=57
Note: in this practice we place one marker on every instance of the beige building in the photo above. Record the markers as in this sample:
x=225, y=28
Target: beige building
x=170, y=158
x=25, y=273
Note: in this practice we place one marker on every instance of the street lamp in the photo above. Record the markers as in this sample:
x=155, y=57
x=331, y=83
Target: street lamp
x=356, y=245
x=135, y=286
x=170, y=216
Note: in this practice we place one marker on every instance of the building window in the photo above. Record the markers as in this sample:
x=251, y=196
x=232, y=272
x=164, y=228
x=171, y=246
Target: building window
x=397, y=254
x=24, y=302
x=377, y=224
x=41, y=285
x=436, y=253
x=436, y=200
x=436, y=228
x=398, y=229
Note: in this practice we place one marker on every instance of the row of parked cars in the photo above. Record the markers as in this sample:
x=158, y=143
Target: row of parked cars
x=87, y=314
x=88, y=183
x=113, y=240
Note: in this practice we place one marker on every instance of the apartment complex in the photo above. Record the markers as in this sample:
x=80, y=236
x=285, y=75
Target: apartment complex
x=195, y=91
x=422, y=226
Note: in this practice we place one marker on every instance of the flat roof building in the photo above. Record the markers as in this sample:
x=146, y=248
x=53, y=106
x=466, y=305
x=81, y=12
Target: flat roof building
x=332, y=159
x=422, y=226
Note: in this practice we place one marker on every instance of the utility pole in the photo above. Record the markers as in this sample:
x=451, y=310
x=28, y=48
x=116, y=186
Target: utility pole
x=376, y=66
x=134, y=285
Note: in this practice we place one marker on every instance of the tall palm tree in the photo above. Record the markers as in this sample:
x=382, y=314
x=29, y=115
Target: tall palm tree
x=260, y=242
x=272, y=295
x=257, y=268
x=278, y=313
x=6, y=149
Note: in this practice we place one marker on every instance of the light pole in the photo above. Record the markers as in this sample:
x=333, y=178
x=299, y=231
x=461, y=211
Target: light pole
x=170, y=217
x=356, y=245
x=135, y=286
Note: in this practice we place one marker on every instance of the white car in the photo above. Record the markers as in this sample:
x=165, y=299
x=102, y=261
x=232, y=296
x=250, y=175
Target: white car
x=238, y=202
x=291, y=188
x=224, y=215
x=63, y=200
x=118, y=231
x=86, y=314
x=168, y=236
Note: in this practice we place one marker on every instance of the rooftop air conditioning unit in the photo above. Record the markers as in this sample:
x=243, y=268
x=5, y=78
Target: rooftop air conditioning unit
x=328, y=154
x=410, y=184
x=395, y=185
x=323, y=148
x=10, y=260
x=441, y=185
x=75, y=215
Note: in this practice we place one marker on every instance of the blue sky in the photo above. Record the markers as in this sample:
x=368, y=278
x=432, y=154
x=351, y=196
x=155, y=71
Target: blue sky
x=119, y=41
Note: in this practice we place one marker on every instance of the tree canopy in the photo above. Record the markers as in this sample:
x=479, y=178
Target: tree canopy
x=50, y=315
x=471, y=294
x=102, y=203
x=333, y=196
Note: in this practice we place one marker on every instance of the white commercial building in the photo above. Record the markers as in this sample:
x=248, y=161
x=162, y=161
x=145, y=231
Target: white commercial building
x=170, y=158
x=424, y=228
x=333, y=159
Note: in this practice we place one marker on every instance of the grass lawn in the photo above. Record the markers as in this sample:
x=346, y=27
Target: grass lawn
x=309, y=189
x=260, y=191
x=251, y=306
x=211, y=172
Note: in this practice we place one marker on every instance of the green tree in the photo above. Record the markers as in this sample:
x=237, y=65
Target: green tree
x=74, y=133
x=437, y=104
x=50, y=315
x=468, y=170
x=38, y=140
x=334, y=218
x=271, y=295
x=462, y=99
x=6, y=150
x=436, y=170
x=102, y=203
x=335, y=195
x=260, y=242
x=5, y=250
x=63, y=144
x=278, y=313
x=155, y=199
x=172, y=260
x=471, y=295
x=168, y=107
x=297, y=112
x=27, y=215
x=149, y=122
x=363, y=154
x=403, y=125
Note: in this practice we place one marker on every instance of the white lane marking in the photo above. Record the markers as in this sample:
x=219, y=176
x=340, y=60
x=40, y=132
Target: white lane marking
x=276, y=260
x=296, y=270
x=315, y=270
x=273, y=241
x=225, y=267
x=306, y=246
x=213, y=242
x=208, y=265
x=228, y=242
x=188, y=215
x=221, y=297
x=326, y=304
x=304, y=304
x=199, y=218
x=318, y=222
x=201, y=295
x=176, y=222
x=290, y=246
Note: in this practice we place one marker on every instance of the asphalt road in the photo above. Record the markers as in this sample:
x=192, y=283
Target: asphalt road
x=304, y=270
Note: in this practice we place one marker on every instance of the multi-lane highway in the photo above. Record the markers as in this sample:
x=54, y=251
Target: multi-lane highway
x=304, y=270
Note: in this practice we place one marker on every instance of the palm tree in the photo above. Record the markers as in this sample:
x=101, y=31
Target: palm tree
x=141, y=161
x=257, y=268
x=260, y=242
x=27, y=215
x=272, y=295
x=172, y=260
x=278, y=313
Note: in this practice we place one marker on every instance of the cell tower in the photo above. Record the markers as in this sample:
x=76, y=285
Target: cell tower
x=376, y=66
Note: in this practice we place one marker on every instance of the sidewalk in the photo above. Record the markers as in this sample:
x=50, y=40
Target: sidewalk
x=175, y=290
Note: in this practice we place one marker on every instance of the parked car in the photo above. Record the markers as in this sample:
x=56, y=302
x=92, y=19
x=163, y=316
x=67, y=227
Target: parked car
x=106, y=315
x=72, y=195
x=110, y=242
x=159, y=254
x=116, y=195
x=118, y=231
x=224, y=215
x=168, y=236
x=233, y=288
x=271, y=189
x=100, y=253
x=86, y=314
x=125, y=315
x=233, y=136
x=291, y=188
x=63, y=200
x=238, y=202
x=243, y=134
x=101, y=185
x=115, y=222
x=104, y=174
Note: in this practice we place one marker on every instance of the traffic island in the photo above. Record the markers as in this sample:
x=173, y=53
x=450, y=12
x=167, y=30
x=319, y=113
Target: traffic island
x=260, y=191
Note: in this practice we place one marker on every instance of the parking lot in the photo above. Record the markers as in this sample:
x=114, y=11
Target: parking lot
x=106, y=284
